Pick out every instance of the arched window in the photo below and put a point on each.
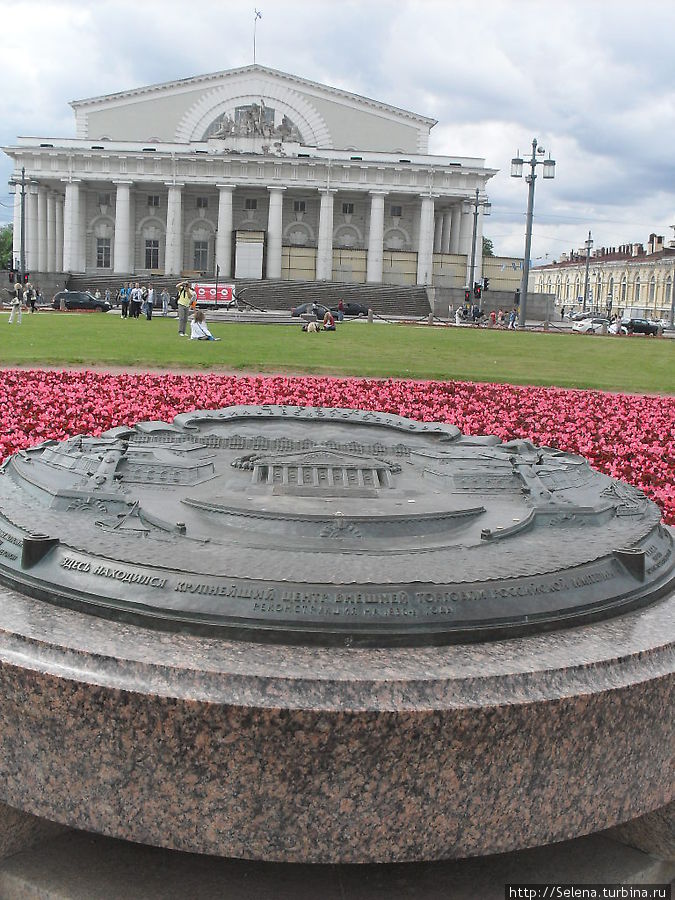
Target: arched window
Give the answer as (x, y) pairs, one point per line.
(624, 290)
(610, 288)
(598, 289)
(652, 289)
(567, 288)
(577, 289)
(669, 291)
(636, 295)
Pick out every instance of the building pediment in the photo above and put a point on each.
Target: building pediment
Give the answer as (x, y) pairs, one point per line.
(229, 104)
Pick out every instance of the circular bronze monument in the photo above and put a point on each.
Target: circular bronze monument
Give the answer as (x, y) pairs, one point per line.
(321, 635)
(327, 526)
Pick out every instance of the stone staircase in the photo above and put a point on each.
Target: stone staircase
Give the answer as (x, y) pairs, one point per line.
(384, 299)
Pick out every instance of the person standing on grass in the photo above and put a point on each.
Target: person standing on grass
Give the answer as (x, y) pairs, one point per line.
(165, 302)
(136, 300)
(123, 296)
(185, 297)
(17, 300)
(149, 303)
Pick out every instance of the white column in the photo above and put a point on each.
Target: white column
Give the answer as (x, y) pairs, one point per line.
(447, 229)
(123, 236)
(51, 232)
(224, 236)
(375, 236)
(478, 269)
(71, 226)
(274, 231)
(16, 237)
(324, 253)
(31, 213)
(173, 258)
(82, 242)
(58, 267)
(455, 227)
(426, 242)
(42, 229)
(438, 232)
(465, 236)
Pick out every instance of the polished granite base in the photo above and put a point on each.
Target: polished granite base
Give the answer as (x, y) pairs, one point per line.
(334, 755)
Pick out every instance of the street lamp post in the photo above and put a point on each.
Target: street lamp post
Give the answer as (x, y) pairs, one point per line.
(517, 172)
(476, 204)
(588, 245)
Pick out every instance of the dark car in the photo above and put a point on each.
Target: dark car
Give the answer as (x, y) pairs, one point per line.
(640, 326)
(350, 309)
(80, 300)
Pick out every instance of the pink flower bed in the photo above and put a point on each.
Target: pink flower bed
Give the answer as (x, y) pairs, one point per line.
(628, 437)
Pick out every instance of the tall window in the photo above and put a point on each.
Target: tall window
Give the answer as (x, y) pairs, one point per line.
(151, 254)
(200, 256)
(102, 253)
(624, 290)
(652, 289)
(637, 289)
(610, 288)
(669, 291)
(347, 209)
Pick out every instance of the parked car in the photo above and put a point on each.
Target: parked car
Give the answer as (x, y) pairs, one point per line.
(640, 326)
(351, 309)
(80, 300)
(591, 325)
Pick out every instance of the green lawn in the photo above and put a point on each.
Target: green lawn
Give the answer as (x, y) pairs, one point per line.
(569, 360)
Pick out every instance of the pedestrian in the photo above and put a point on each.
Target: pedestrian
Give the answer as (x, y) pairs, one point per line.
(123, 296)
(149, 302)
(29, 297)
(165, 302)
(97, 294)
(341, 309)
(135, 302)
(512, 319)
(107, 295)
(185, 297)
(562, 312)
(17, 300)
(38, 297)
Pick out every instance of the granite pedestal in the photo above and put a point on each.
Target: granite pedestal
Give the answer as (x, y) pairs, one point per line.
(176, 726)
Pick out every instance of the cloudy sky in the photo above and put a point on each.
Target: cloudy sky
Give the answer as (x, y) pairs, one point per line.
(592, 81)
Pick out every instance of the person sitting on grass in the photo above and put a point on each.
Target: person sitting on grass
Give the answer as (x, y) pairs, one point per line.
(328, 321)
(199, 330)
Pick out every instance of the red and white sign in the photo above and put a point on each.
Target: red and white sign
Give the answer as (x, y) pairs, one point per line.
(208, 292)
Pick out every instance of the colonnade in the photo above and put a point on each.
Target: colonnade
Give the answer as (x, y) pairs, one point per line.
(56, 230)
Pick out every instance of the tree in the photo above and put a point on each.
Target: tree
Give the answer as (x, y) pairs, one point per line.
(488, 247)
(6, 237)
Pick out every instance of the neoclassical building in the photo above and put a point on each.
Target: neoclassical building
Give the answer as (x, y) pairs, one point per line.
(629, 279)
(259, 173)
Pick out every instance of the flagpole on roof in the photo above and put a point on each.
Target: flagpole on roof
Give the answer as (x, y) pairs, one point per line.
(258, 15)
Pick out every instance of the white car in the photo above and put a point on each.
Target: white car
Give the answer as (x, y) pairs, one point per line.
(590, 325)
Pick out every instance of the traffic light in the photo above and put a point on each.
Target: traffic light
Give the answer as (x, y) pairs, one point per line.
(26, 276)
(486, 283)
(467, 296)
(477, 291)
